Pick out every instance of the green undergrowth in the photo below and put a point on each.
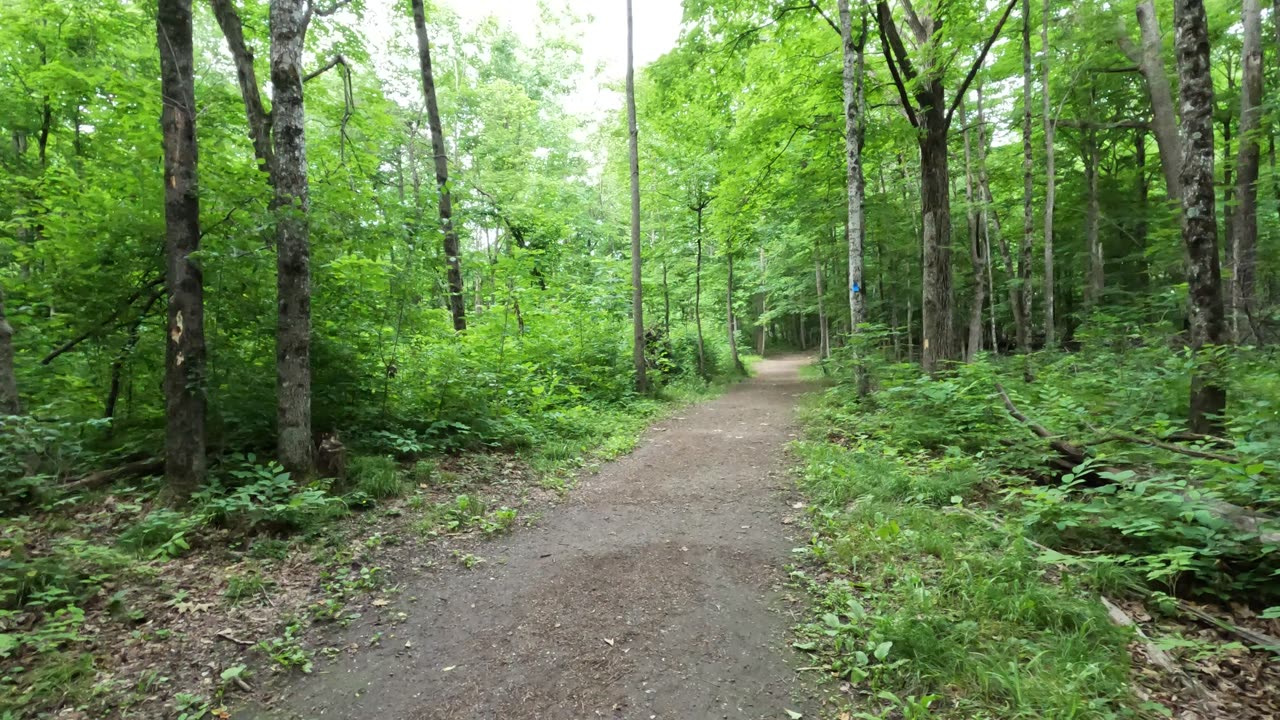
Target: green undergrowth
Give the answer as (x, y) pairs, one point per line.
(931, 504)
(932, 613)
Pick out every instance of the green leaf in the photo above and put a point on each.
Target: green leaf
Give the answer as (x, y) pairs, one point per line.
(882, 650)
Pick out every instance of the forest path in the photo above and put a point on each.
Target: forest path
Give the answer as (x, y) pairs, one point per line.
(653, 591)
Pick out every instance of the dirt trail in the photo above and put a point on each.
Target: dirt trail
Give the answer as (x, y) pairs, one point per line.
(653, 591)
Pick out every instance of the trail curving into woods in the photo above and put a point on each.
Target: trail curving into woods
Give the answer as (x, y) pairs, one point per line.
(654, 591)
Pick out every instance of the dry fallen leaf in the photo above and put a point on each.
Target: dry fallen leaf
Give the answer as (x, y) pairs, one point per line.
(381, 602)
(609, 641)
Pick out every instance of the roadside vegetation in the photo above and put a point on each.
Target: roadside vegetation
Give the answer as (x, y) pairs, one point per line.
(962, 566)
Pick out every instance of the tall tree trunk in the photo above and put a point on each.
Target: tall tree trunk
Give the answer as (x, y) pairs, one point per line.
(289, 20)
(1164, 119)
(666, 302)
(937, 344)
(184, 376)
(1028, 187)
(733, 330)
(1097, 274)
(1143, 193)
(697, 300)
(9, 401)
(452, 251)
(1199, 217)
(991, 223)
(637, 289)
(824, 344)
(258, 119)
(1246, 222)
(976, 249)
(1051, 186)
(854, 112)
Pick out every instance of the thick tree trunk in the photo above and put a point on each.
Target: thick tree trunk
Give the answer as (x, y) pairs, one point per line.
(977, 246)
(1246, 219)
(937, 344)
(9, 401)
(1096, 272)
(452, 251)
(289, 20)
(1199, 217)
(855, 182)
(1050, 188)
(184, 376)
(1028, 188)
(637, 289)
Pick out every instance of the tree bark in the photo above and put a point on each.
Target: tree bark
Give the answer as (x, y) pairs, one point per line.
(1199, 218)
(289, 19)
(1164, 119)
(824, 343)
(1096, 272)
(854, 133)
(637, 289)
(184, 377)
(10, 403)
(1143, 189)
(256, 115)
(976, 249)
(1246, 215)
(452, 251)
(1028, 187)
(937, 344)
(1050, 188)
(697, 298)
(733, 330)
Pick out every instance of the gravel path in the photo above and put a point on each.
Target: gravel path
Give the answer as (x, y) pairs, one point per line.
(653, 591)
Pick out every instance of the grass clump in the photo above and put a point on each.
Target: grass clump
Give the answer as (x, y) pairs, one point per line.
(377, 476)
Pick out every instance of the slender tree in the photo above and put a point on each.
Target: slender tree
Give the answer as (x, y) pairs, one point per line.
(1028, 187)
(1199, 217)
(452, 251)
(854, 135)
(978, 246)
(1092, 214)
(637, 290)
(9, 401)
(1051, 185)
(289, 19)
(1164, 120)
(1245, 241)
(184, 391)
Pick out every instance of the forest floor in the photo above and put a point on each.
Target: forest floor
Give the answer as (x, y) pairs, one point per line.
(657, 589)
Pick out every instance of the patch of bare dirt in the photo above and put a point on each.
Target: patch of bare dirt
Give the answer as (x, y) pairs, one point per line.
(653, 591)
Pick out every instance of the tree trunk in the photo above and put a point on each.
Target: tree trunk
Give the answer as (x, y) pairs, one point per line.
(733, 330)
(9, 401)
(1143, 194)
(976, 249)
(937, 344)
(637, 290)
(854, 131)
(1246, 220)
(1050, 188)
(452, 251)
(824, 344)
(1199, 218)
(666, 301)
(258, 119)
(991, 223)
(1097, 277)
(1028, 187)
(184, 376)
(1164, 119)
(293, 242)
(697, 300)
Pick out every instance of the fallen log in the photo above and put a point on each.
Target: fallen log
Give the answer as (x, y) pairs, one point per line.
(137, 468)
(1241, 518)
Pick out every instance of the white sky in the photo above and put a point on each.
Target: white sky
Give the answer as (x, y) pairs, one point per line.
(604, 37)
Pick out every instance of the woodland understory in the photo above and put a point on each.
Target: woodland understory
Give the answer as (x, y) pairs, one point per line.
(293, 294)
